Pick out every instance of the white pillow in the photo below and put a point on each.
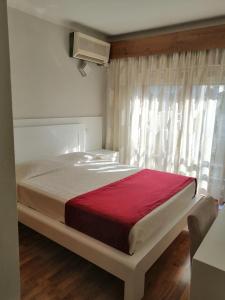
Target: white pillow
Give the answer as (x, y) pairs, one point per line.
(34, 168)
(77, 157)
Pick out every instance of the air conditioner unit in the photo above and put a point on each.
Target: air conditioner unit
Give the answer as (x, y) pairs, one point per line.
(85, 47)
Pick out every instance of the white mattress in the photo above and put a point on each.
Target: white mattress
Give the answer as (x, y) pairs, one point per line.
(47, 185)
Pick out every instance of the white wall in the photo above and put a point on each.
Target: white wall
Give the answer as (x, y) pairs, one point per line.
(9, 267)
(45, 80)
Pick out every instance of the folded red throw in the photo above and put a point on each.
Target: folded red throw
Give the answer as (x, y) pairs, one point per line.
(108, 213)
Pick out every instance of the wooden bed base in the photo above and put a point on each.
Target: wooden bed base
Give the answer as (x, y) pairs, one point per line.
(131, 269)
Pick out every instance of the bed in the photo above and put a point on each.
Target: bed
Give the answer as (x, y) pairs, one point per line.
(44, 186)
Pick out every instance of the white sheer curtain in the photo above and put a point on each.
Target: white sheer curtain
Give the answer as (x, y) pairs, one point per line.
(167, 112)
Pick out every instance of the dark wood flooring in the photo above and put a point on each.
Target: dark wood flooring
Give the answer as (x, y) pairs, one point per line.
(50, 272)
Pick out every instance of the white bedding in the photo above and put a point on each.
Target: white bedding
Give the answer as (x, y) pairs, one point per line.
(48, 184)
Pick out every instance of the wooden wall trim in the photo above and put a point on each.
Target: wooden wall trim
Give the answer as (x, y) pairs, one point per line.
(188, 40)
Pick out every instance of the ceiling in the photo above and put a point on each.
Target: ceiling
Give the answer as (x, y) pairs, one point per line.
(114, 17)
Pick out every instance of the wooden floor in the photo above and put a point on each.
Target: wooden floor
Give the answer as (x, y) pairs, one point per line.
(49, 271)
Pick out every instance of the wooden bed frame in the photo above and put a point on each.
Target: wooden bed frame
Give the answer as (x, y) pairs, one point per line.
(130, 268)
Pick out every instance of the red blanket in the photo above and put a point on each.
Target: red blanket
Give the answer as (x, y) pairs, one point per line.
(109, 212)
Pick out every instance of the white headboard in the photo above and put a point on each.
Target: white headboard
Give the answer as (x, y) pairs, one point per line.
(39, 138)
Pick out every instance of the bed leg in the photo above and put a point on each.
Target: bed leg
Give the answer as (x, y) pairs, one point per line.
(134, 286)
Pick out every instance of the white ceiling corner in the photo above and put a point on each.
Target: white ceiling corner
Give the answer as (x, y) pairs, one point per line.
(121, 16)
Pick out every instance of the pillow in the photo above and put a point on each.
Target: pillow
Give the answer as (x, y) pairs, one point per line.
(34, 168)
(77, 157)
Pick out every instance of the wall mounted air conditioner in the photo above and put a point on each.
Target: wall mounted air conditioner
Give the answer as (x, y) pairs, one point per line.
(85, 47)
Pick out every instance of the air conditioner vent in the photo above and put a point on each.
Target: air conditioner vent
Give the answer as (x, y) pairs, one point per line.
(88, 48)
